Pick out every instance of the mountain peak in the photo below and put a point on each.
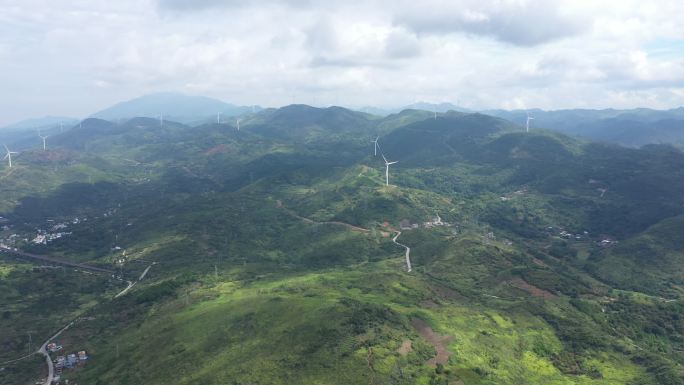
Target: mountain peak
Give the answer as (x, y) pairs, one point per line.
(176, 106)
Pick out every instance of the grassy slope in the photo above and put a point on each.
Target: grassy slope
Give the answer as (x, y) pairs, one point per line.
(322, 327)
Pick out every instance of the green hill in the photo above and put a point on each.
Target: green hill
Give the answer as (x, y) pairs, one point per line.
(305, 123)
(272, 262)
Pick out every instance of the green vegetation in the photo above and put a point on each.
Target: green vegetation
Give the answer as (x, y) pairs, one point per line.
(538, 278)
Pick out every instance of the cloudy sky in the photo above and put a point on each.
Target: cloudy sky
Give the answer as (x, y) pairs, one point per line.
(73, 57)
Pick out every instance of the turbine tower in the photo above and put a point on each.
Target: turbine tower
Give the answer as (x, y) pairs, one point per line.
(375, 147)
(527, 124)
(43, 137)
(218, 118)
(9, 155)
(237, 122)
(387, 164)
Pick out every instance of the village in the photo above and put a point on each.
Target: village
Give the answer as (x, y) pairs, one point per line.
(66, 361)
(406, 224)
(603, 240)
(53, 230)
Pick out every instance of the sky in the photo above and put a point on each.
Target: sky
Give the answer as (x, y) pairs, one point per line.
(72, 58)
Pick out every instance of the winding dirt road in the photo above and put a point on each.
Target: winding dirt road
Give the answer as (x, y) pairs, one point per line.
(408, 251)
(279, 204)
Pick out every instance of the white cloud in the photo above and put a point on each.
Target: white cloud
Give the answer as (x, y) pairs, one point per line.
(518, 22)
(76, 56)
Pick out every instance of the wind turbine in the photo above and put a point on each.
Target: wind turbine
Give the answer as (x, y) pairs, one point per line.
(237, 122)
(387, 164)
(375, 147)
(43, 137)
(161, 120)
(435, 115)
(527, 124)
(218, 118)
(9, 156)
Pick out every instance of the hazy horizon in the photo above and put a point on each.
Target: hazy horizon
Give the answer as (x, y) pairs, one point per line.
(70, 58)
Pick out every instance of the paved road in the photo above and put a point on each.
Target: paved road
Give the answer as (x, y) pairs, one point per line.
(408, 251)
(59, 261)
(48, 360)
(43, 349)
(144, 273)
(131, 284)
(124, 291)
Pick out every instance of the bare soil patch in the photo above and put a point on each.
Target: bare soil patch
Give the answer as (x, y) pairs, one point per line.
(405, 348)
(445, 292)
(531, 289)
(221, 148)
(439, 342)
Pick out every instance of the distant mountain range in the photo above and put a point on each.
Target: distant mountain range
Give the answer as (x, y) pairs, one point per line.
(174, 106)
(630, 128)
(425, 106)
(46, 122)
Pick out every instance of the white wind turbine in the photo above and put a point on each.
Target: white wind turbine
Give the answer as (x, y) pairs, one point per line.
(237, 122)
(218, 118)
(9, 155)
(387, 164)
(527, 123)
(44, 138)
(161, 120)
(375, 147)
